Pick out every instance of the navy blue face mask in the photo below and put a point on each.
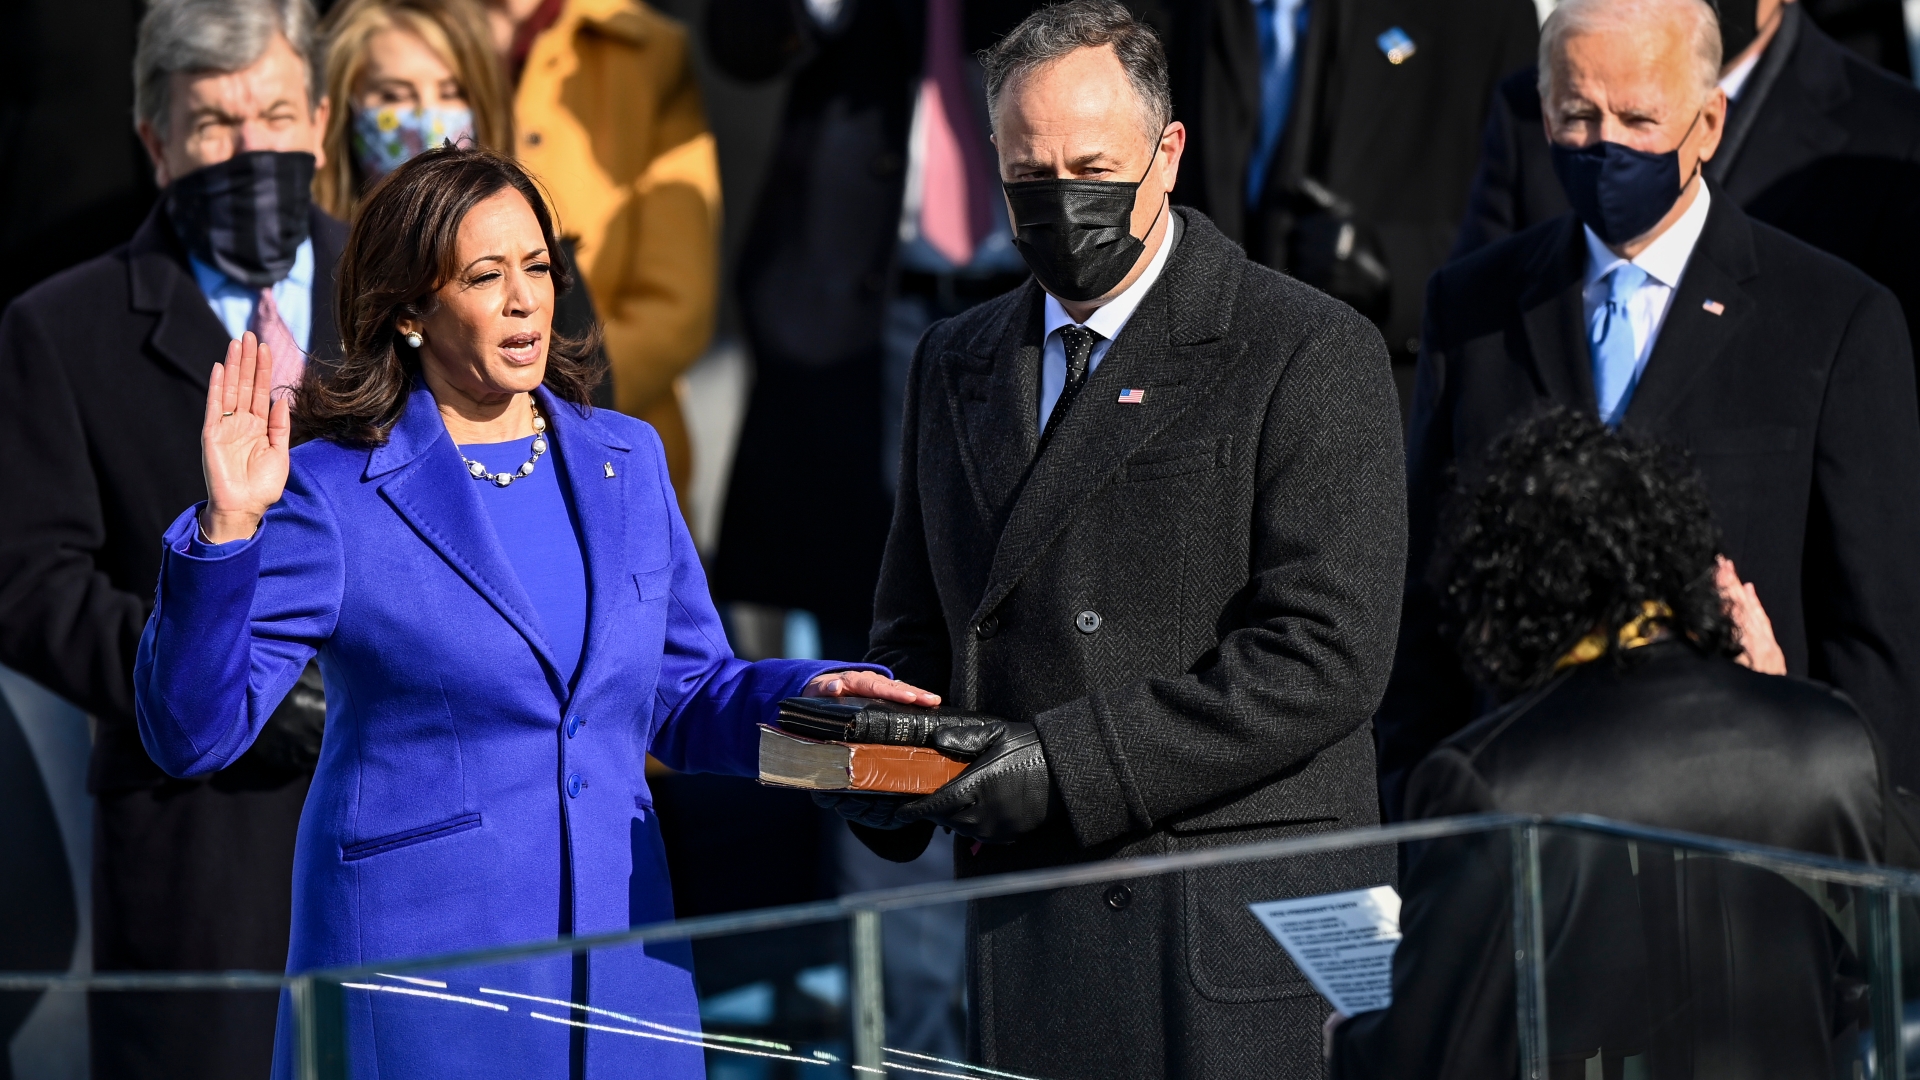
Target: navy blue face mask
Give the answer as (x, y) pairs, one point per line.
(1617, 191)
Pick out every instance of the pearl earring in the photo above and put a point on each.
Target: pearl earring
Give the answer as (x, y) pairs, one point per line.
(414, 339)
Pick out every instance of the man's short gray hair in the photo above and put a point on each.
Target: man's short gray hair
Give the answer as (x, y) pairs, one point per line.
(1052, 32)
(193, 37)
(1575, 17)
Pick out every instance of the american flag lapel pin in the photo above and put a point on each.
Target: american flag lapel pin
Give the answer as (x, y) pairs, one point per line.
(1133, 397)
(1714, 307)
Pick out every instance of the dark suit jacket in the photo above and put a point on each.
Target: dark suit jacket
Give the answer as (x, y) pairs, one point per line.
(1398, 141)
(1748, 980)
(1821, 144)
(1191, 597)
(103, 374)
(1796, 405)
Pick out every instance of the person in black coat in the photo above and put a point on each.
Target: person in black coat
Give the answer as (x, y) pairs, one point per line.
(103, 370)
(831, 298)
(1820, 143)
(1583, 586)
(1784, 371)
(1175, 594)
(1387, 103)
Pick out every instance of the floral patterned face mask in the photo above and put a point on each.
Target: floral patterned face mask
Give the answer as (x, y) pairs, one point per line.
(384, 138)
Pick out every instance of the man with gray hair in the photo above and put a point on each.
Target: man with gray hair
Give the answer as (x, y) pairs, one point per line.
(1658, 305)
(103, 371)
(1149, 530)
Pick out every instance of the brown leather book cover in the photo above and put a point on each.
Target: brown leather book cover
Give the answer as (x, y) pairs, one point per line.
(788, 760)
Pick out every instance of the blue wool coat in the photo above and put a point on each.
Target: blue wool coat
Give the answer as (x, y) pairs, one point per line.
(466, 796)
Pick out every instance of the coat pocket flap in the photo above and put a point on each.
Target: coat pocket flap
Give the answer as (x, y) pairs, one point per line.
(409, 837)
(1192, 455)
(654, 584)
(1747, 440)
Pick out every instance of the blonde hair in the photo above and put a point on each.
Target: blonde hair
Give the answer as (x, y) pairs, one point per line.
(454, 29)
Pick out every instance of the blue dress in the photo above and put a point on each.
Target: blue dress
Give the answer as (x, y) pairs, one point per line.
(473, 789)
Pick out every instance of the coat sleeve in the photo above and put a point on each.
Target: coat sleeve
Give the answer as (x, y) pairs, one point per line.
(909, 629)
(708, 703)
(1862, 582)
(1312, 639)
(1428, 696)
(658, 305)
(62, 621)
(233, 627)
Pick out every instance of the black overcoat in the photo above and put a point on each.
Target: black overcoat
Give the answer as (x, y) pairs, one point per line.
(1795, 400)
(103, 377)
(1193, 598)
(1821, 144)
(1749, 979)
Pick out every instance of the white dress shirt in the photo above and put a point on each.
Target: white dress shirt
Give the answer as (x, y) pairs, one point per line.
(1736, 80)
(233, 303)
(1664, 261)
(1106, 323)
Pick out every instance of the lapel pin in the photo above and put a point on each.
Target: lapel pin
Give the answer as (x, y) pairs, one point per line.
(1714, 307)
(1397, 46)
(1133, 397)
(609, 470)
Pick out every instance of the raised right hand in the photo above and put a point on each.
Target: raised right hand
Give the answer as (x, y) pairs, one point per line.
(243, 442)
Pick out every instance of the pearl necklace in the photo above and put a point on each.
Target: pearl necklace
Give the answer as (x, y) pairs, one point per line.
(502, 479)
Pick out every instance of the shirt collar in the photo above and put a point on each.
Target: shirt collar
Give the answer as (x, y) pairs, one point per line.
(1665, 259)
(1111, 317)
(212, 280)
(1736, 80)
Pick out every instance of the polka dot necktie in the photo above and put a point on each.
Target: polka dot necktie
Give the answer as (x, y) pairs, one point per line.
(1078, 341)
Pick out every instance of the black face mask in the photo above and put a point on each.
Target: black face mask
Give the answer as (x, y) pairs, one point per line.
(1617, 191)
(1076, 235)
(1739, 25)
(246, 216)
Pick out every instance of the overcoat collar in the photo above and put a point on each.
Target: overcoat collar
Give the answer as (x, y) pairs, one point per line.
(1691, 335)
(187, 336)
(1785, 119)
(1171, 348)
(428, 485)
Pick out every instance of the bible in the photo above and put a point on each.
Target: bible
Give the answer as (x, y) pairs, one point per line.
(857, 744)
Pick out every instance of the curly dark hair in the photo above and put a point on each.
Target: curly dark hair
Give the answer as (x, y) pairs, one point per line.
(1573, 530)
(401, 250)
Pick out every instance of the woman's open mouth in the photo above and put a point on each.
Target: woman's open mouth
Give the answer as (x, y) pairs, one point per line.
(521, 348)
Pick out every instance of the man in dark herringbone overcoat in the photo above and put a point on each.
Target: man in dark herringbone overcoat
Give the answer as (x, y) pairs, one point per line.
(1151, 517)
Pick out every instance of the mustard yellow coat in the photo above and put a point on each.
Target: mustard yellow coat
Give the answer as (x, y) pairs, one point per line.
(609, 119)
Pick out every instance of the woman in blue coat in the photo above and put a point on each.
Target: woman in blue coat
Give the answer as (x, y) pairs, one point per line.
(509, 614)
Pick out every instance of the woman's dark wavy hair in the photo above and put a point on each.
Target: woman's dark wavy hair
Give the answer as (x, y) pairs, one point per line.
(1573, 529)
(402, 249)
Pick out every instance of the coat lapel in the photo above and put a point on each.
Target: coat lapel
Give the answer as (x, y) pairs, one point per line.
(430, 488)
(994, 389)
(187, 337)
(1550, 309)
(593, 465)
(1171, 358)
(1691, 336)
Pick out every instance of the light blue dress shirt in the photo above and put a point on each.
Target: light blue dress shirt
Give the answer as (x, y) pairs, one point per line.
(232, 302)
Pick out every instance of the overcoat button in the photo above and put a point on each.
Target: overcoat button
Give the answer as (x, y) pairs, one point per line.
(574, 724)
(988, 627)
(574, 784)
(1119, 897)
(1087, 621)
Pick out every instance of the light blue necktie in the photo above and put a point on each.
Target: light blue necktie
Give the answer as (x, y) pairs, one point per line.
(1615, 356)
(1280, 23)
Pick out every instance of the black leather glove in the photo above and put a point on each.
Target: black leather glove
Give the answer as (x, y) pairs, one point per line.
(1333, 251)
(873, 811)
(290, 739)
(1006, 791)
